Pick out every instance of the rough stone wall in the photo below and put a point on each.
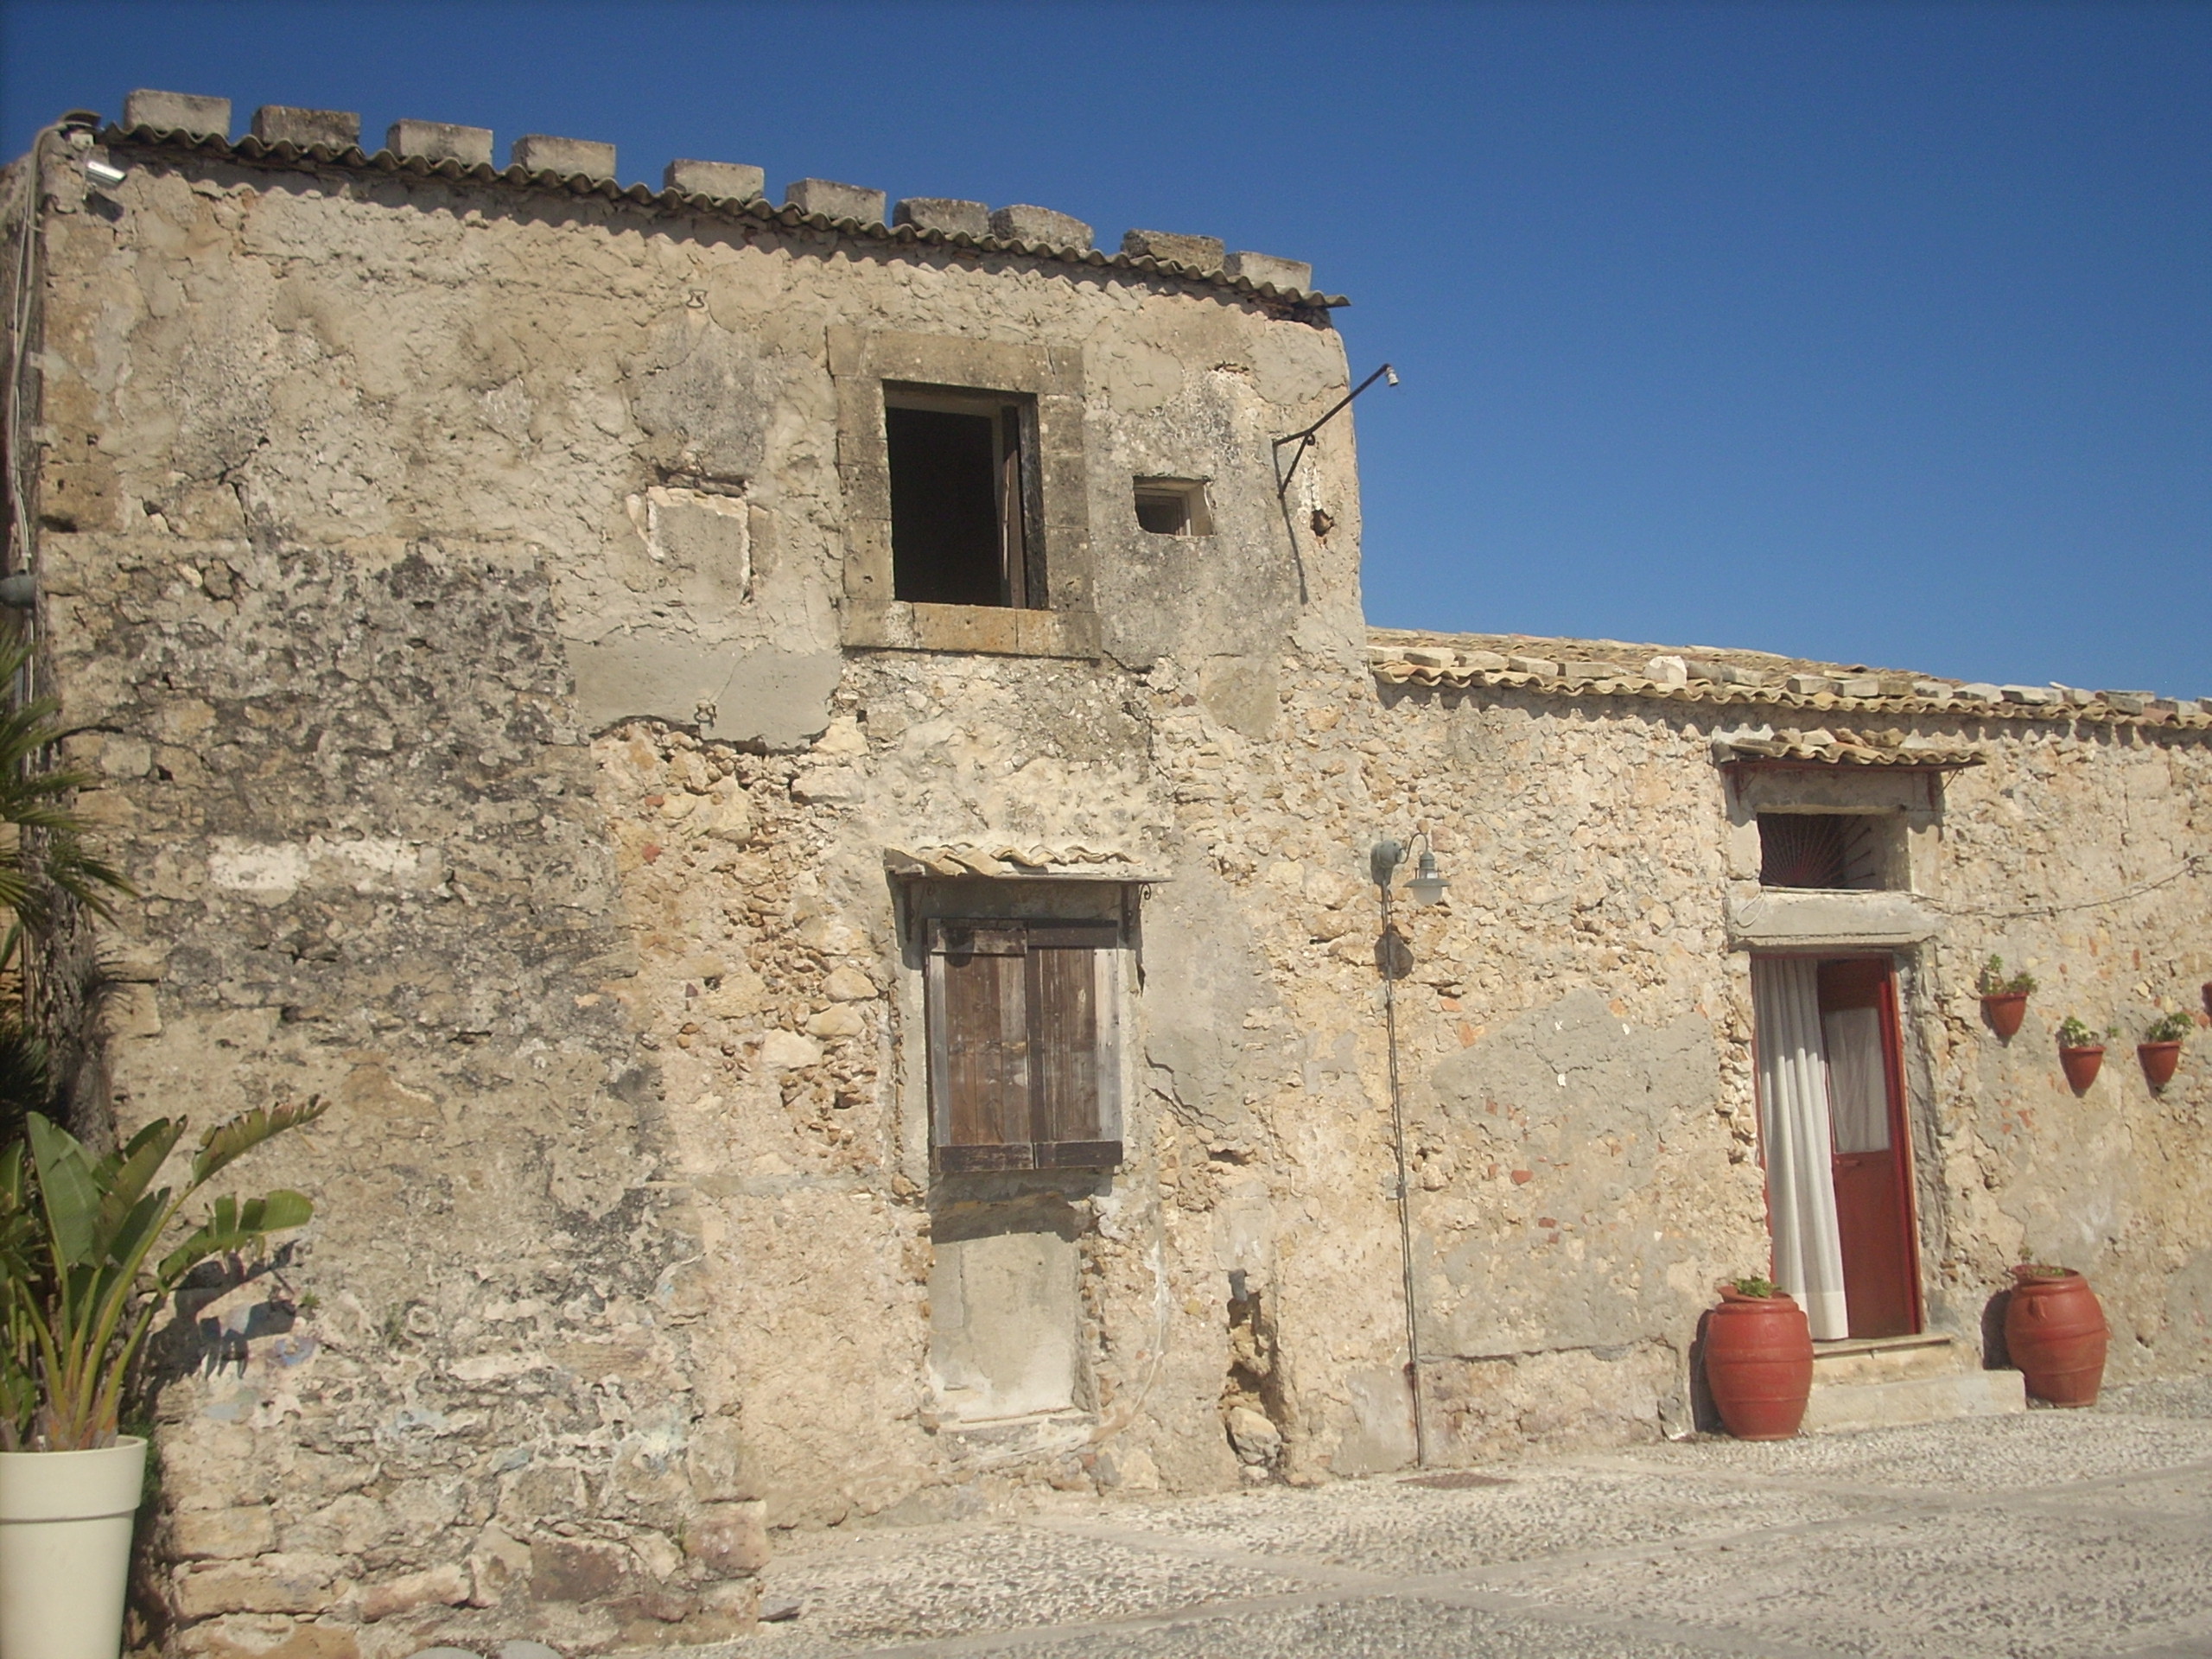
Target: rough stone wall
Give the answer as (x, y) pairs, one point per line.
(446, 585)
(448, 578)
(1586, 1132)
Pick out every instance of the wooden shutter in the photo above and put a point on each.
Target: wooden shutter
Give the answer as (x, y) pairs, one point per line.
(1024, 1065)
(979, 1047)
(1075, 1124)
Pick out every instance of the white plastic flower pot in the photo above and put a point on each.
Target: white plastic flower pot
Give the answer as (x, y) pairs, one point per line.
(65, 1550)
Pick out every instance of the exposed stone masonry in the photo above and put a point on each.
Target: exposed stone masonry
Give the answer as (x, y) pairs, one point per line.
(448, 570)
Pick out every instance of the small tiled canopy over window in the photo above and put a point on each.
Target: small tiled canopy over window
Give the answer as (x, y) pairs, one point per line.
(1024, 1059)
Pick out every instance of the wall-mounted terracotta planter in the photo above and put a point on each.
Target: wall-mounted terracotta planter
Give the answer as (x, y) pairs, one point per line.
(2159, 1060)
(1758, 1364)
(2055, 1331)
(2081, 1065)
(2005, 1010)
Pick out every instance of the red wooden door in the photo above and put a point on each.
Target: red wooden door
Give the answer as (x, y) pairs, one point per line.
(1873, 1207)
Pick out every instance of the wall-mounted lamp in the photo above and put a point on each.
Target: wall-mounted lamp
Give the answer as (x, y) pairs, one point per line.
(1428, 884)
(1394, 960)
(105, 174)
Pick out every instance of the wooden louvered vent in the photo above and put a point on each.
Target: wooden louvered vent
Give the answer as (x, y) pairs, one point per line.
(1820, 850)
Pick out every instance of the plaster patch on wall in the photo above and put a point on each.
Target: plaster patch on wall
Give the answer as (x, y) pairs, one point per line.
(780, 699)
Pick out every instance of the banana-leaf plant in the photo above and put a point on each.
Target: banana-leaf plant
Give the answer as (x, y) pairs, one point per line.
(78, 1272)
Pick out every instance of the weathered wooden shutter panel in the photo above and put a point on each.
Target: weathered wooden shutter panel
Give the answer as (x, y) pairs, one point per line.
(1075, 1124)
(979, 973)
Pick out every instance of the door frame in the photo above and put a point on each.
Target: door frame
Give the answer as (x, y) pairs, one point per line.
(1901, 1136)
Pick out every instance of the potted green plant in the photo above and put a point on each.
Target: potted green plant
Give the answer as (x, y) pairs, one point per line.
(2160, 1052)
(2080, 1052)
(2003, 997)
(80, 1284)
(1758, 1360)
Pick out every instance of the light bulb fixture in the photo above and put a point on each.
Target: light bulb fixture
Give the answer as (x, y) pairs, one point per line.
(1428, 883)
(106, 174)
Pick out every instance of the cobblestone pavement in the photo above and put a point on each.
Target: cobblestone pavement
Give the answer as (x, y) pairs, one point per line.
(2059, 1534)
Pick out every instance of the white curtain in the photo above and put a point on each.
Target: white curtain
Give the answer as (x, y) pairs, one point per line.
(1793, 1130)
(1859, 1092)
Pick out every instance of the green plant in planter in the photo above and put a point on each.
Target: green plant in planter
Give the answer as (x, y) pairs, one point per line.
(1994, 982)
(2169, 1028)
(1752, 1285)
(2072, 1033)
(79, 1282)
(38, 868)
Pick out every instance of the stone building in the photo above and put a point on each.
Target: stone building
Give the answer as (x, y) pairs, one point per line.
(805, 787)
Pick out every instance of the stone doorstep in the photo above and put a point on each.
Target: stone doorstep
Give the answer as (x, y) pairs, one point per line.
(1890, 1382)
(1840, 1408)
(1889, 1359)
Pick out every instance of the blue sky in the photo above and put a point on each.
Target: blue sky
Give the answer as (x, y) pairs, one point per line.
(1877, 332)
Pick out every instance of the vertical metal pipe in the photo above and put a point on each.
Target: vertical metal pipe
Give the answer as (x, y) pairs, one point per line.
(1386, 962)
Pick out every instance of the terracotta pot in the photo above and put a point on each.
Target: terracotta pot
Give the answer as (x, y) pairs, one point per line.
(2005, 1010)
(2080, 1065)
(2055, 1331)
(2159, 1060)
(1758, 1364)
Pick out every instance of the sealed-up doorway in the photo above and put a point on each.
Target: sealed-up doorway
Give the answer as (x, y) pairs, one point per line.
(1833, 1137)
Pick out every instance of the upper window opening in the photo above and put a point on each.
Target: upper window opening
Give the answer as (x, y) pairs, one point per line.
(961, 484)
(1172, 507)
(1836, 850)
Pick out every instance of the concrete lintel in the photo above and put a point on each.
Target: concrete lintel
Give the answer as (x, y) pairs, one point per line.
(1815, 919)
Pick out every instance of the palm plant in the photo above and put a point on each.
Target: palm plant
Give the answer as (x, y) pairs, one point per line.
(48, 858)
(77, 1236)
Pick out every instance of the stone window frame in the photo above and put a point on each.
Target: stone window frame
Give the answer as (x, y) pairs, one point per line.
(1908, 802)
(1050, 377)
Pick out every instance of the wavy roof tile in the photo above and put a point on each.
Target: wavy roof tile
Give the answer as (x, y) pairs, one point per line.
(1747, 679)
(384, 163)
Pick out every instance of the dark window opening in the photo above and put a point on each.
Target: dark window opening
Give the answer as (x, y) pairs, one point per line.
(1172, 507)
(1024, 1064)
(960, 508)
(1836, 850)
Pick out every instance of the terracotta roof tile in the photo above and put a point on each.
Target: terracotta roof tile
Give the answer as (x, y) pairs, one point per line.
(1751, 680)
(353, 159)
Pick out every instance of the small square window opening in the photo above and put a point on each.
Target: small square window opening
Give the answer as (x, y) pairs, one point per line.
(1172, 507)
(961, 485)
(1846, 851)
